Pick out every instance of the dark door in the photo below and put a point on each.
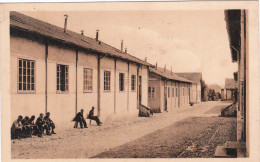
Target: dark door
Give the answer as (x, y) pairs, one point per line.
(140, 89)
(165, 98)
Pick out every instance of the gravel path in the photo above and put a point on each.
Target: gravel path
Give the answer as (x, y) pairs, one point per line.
(86, 143)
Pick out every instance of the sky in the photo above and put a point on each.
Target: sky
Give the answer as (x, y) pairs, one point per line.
(186, 40)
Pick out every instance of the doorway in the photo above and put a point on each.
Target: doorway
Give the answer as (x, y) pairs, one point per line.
(140, 89)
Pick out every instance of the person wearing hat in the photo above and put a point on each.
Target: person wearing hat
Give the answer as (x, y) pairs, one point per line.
(92, 117)
(49, 122)
(16, 129)
(80, 119)
(41, 124)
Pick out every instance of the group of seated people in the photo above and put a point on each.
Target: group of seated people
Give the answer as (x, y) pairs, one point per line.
(25, 127)
(79, 118)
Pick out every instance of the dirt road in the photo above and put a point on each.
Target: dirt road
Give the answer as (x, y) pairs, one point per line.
(193, 137)
(86, 143)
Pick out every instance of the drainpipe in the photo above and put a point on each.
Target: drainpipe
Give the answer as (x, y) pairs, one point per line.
(98, 86)
(46, 76)
(115, 60)
(129, 80)
(76, 110)
(137, 78)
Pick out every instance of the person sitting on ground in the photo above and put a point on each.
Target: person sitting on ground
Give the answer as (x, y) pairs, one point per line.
(40, 122)
(16, 129)
(49, 123)
(80, 119)
(26, 128)
(92, 117)
(33, 128)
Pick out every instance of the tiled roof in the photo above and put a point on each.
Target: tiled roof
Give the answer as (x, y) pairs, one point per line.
(195, 77)
(168, 74)
(230, 83)
(25, 23)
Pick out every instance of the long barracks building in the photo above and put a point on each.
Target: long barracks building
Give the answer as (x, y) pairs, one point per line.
(59, 71)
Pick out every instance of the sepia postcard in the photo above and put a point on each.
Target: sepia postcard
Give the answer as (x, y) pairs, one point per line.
(171, 81)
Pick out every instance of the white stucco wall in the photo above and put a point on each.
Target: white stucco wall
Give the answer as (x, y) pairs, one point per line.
(87, 99)
(64, 105)
(61, 105)
(27, 104)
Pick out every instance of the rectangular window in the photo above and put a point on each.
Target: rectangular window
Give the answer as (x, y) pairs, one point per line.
(121, 81)
(169, 93)
(26, 75)
(176, 92)
(107, 76)
(62, 78)
(172, 92)
(151, 92)
(88, 80)
(133, 80)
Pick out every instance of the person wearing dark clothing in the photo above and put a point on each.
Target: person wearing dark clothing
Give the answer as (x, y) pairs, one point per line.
(40, 122)
(92, 117)
(49, 122)
(26, 127)
(16, 129)
(80, 119)
(33, 128)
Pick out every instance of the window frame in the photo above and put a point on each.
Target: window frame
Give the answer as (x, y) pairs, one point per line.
(86, 90)
(18, 75)
(133, 90)
(109, 85)
(151, 94)
(59, 91)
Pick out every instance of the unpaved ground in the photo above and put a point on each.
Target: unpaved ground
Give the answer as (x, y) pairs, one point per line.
(85, 143)
(193, 137)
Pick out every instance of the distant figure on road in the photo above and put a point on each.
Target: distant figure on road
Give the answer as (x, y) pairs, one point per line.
(80, 119)
(49, 122)
(16, 129)
(92, 117)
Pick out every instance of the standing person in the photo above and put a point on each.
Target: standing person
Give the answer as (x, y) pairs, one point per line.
(80, 119)
(16, 129)
(49, 123)
(26, 128)
(92, 117)
(40, 122)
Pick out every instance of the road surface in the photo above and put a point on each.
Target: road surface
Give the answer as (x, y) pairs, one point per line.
(95, 140)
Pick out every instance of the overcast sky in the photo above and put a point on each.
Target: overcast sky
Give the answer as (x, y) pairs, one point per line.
(189, 41)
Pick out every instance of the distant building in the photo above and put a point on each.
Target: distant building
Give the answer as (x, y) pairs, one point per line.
(230, 89)
(196, 79)
(167, 90)
(60, 71)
